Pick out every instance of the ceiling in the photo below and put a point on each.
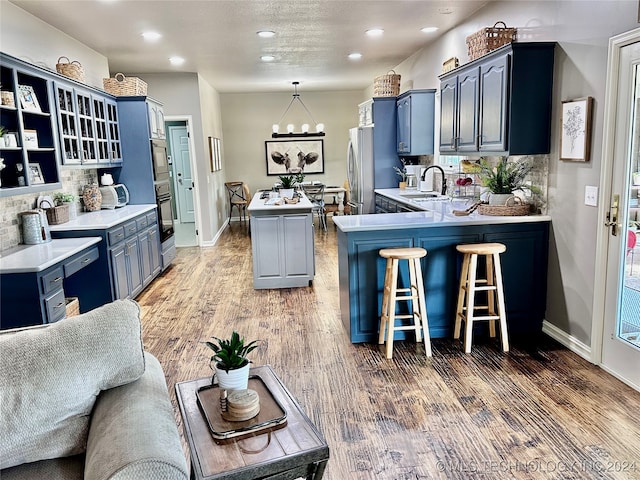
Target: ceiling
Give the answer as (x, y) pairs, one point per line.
(217, 38)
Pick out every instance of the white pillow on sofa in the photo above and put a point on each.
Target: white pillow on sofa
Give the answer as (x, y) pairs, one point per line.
(50, 377)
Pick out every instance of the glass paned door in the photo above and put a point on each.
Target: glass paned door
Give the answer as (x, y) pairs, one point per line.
(621, 335)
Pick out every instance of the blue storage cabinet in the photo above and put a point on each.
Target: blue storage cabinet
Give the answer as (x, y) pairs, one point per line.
(384, 142)
(500, 103)
(415, 125)
(361, 274)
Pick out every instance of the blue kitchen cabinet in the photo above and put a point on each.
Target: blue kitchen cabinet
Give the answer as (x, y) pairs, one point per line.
(415, 124)
(361, 274)
(38, 297)
(500, 103)
(385, 156)
(32, 118)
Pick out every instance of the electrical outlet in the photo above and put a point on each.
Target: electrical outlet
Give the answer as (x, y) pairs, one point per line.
(591, 196)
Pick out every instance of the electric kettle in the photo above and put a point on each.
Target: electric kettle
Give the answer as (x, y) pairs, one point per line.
(35, 227)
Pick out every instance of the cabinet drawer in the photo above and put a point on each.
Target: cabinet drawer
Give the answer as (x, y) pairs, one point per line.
(152, 218)
(52, 281)
(115, 235)
(80, 262)
(142, 222)
(130, 228)
(55, 306)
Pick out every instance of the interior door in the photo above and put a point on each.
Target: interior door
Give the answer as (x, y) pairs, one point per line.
(621, 333)
(182, 174)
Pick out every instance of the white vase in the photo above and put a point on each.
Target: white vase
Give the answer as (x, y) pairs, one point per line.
(237, 379)
(286, 192)
(501, 198)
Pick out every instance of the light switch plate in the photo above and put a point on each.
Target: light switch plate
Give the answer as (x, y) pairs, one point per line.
(591, 196)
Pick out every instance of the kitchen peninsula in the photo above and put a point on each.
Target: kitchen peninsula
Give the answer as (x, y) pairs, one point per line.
(281, 241)
(432, 226)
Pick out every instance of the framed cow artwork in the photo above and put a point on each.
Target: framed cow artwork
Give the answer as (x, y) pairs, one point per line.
(294, 156)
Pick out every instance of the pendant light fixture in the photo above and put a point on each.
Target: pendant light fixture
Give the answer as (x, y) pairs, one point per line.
(290, 127)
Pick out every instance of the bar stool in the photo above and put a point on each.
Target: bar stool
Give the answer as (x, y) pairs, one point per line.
(414, 293)
(470, 285)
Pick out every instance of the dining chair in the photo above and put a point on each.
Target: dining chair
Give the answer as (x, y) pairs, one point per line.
(315, 194)
(238, 197)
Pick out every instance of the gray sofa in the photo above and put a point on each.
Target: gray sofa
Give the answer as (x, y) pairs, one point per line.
(81, 398)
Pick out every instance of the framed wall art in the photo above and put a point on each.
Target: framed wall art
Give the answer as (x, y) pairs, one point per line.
(215, 156)
(30, 138)
(294, 156)
(575, 137)
(28, 98)
(35, 174)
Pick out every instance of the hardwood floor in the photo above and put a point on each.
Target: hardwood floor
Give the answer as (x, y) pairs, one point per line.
(537, 412)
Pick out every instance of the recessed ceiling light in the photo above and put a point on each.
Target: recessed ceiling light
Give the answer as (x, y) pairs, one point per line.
(429, 29)
(176, 60)
(267, 58)
(374, 32)
(266, 33)
(355, 56)
(151, 36)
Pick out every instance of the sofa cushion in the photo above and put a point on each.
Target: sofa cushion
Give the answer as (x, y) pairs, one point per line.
(50, 377)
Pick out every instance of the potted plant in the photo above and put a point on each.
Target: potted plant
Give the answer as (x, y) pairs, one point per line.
(63, 198)
(288, 183)
(230, 362)
(505, 178)
(402, 173)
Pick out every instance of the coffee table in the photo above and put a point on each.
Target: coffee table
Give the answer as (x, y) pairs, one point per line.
(296, 450)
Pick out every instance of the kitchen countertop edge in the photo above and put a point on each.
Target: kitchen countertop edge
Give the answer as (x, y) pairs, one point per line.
(36, 258)
(103, 219)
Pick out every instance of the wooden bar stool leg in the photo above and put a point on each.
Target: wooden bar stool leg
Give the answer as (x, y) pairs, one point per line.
(415, 299)
(491, 298)
(471, 295)
(392, 307)
(464, 282)
(423, 308)
(504, 335)
(384, 315)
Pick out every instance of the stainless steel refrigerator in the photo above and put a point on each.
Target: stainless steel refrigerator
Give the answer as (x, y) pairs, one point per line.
(360, 170)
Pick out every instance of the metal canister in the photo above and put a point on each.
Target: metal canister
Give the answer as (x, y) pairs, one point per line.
(35, 227)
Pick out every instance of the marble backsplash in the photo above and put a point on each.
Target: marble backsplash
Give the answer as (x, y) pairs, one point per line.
(73, 180)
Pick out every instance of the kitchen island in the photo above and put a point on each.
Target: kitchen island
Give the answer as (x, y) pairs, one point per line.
(436, 229)
(281, 241)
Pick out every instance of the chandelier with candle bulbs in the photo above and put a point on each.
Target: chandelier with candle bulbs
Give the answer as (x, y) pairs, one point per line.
(290, 127)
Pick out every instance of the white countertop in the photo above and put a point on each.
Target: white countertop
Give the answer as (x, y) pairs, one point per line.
(260, 206)
(103, 218)
(436, 214)
(35, 258)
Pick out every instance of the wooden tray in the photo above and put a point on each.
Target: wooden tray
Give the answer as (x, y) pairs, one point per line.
(271, 417)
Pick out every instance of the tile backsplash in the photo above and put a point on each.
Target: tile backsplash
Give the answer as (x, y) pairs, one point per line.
(73, 180)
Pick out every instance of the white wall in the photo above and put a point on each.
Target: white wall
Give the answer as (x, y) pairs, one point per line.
(247, 121)
(30, 39)
(582, 30)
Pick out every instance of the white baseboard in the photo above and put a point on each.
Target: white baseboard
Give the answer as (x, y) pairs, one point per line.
(573, 344)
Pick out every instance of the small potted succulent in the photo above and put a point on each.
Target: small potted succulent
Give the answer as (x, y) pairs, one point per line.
(288, 183)
(230, 362)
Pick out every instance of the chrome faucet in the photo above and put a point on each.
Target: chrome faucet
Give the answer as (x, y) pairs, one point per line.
(444, 180)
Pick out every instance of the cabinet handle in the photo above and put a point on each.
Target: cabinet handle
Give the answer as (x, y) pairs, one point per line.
(56, 280)
(120, 235)
(453, 143)
(86, 260)
(59, 305)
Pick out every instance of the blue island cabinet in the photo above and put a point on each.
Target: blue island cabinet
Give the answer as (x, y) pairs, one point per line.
(361, 274)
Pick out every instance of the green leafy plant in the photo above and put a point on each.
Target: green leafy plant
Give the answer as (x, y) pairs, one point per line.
(288, 181)
(2, 131)
(506, 177)
(63, 197)
(231, 354)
